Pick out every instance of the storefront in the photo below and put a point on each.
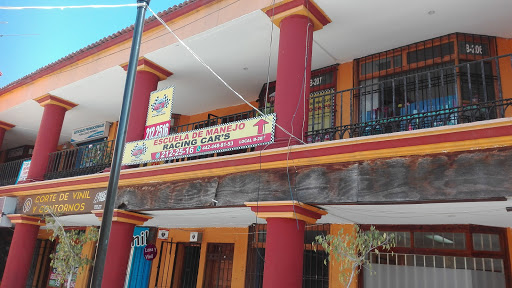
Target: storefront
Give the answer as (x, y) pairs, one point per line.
(441, 256)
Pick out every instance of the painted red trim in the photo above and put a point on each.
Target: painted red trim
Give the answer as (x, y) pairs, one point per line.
(152, 65)
(6, 126)
(255, 159)
(124, 215)
(56, 99)
(121, 214)
(321, 17)
(286, 208)
(296, 3)
(24, 218)
(107, 42)
(285, 7)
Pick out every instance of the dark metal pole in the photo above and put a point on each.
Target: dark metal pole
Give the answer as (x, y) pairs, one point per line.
(106, 222)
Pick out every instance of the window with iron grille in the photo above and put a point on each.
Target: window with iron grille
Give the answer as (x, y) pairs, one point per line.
(315, 272)
(322, 98)
(423, 77)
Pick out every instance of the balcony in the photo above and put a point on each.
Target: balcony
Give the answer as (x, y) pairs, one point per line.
(9, 172)
(449, 95)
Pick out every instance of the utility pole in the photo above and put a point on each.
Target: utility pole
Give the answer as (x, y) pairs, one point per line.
(113, 181)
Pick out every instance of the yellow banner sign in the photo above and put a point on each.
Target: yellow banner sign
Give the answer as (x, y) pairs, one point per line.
(64, 203)
(231, 136)
(160, 106)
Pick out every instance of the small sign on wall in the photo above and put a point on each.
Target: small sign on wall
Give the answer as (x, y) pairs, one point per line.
(150, 252)
(91, 132)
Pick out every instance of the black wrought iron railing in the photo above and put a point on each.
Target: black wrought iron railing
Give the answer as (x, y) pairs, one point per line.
(9, 172)
(214, 120)
(447, 95)
(79, 161)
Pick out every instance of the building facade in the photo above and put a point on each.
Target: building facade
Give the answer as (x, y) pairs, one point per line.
(395, 115)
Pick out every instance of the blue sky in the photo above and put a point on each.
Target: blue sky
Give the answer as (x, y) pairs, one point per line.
(60, 32)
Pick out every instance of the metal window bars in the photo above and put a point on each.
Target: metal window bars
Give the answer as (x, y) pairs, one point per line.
(443, 95)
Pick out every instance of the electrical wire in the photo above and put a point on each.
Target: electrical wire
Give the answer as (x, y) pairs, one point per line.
(266, 117)
(69, 7)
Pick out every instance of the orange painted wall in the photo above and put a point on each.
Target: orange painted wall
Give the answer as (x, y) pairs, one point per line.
(334, 271)
(238, 236)
(345, 81)
(505, 47)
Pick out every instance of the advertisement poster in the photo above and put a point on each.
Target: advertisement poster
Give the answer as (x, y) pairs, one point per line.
(22, 176)
(226, 137)
(53, 282)
(139, 267)
(158, 121)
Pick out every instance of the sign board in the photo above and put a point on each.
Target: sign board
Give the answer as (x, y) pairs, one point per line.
(226, 137)
(64, 203)
(150, 252)
(139, 269)
(54, 282)
(91, 132)
(158, 120)
(473, 48)
(22, 175)
(140, 237)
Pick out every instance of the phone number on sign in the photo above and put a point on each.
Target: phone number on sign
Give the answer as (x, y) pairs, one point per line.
(191, 150)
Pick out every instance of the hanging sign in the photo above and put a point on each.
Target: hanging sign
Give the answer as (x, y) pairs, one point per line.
(22, 175)
(63, 203)
(150, 252)
(158, 120)
(226, 137)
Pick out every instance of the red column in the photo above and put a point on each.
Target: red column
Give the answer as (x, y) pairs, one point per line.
(119, 246)
(284, 253)
(48, 135)
(21, 250)
(285, 240)
(4, 126)
(293, 76)
(146, 81)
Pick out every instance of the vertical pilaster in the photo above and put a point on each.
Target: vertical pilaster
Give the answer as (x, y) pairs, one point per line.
(22, 247)
(119, 245)
(146, 81)
(284, 250)
(4, 127)
(297, 20)
(48, 135)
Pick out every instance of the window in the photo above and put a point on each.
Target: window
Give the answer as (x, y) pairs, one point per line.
(440, 240)
(486, 242)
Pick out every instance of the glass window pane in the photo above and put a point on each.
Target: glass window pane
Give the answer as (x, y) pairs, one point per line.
(429, 261)
(440, 240)
(498, 265)
(439, 261)
(460, 263)
(486, 242)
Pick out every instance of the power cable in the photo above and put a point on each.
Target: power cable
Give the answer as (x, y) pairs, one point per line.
(266, 117)
(68, 7)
